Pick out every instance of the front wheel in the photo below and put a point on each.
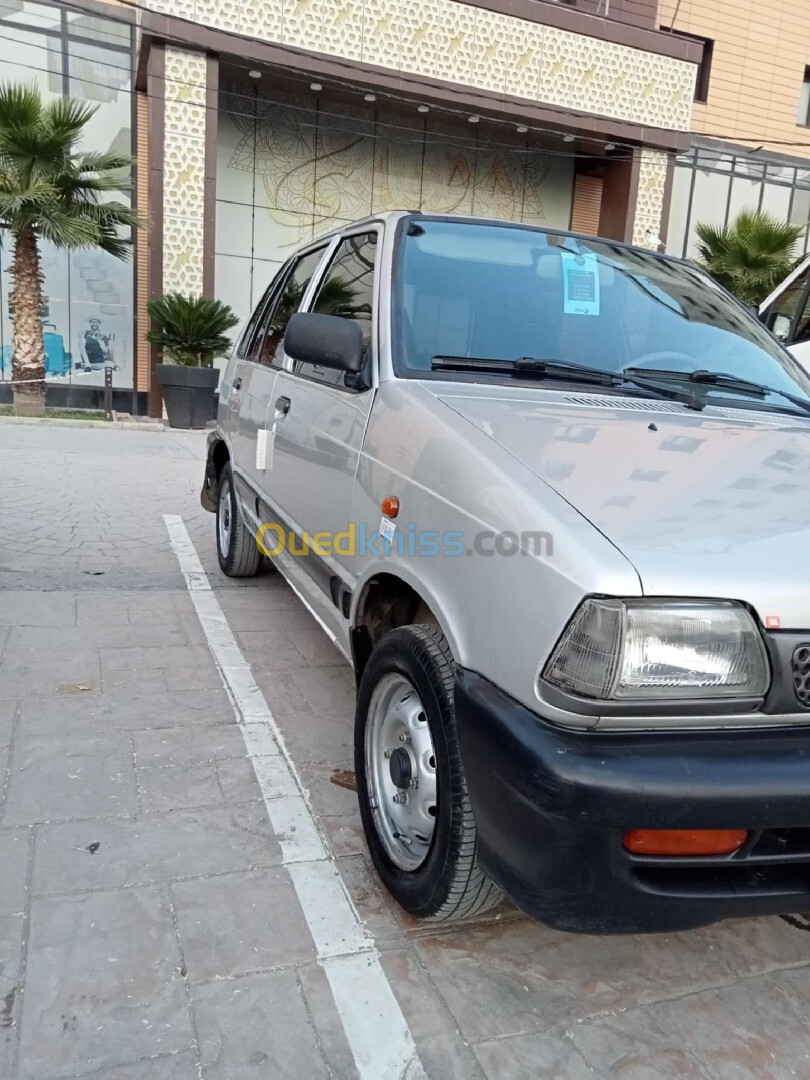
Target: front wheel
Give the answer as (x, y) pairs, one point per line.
(238, 552)
(413, 798)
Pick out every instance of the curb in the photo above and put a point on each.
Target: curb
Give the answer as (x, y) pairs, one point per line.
(54, 421)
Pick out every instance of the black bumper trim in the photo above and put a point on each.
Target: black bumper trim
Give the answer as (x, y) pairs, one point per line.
(552, 807)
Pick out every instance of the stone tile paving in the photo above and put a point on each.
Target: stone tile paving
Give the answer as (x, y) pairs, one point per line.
(148, 930)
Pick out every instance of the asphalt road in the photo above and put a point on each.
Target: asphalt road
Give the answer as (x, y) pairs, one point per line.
(173, 905)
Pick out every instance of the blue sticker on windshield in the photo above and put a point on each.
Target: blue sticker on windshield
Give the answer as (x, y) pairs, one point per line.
(580, 283)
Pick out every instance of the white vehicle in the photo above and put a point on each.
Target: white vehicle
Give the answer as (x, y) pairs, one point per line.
(786, 312)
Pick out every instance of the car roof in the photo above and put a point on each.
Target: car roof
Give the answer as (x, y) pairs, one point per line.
(388, 217)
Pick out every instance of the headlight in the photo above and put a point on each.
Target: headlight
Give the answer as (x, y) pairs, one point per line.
(628, 650)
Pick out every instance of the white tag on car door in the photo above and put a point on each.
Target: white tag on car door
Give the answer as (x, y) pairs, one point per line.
(265, 442)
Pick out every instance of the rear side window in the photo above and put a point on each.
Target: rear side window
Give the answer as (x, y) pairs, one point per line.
(253, 328)
(268, 346)
(785, 308)
(801, 331)
(347, 290)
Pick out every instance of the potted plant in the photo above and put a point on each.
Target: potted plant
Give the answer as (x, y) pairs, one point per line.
(191, 331)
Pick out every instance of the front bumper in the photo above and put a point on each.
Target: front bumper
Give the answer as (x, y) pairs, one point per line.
(552, 807)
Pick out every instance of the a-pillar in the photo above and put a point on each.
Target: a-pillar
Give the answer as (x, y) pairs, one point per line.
(635, 197)
(182, 85)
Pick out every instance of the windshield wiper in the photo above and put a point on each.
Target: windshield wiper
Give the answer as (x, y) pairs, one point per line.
(528, 365)
(558, 369)
(720, 379)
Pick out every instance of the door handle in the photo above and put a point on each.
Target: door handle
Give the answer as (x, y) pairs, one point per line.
(237, 383)
(283, 405)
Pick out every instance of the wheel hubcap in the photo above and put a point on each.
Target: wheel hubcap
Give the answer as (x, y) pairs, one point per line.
(401, 772)
(224, 517)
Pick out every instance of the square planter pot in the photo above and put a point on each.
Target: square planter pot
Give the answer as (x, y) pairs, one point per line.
(188, 394)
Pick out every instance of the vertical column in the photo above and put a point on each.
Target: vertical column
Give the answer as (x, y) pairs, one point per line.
(652, 197)
(155, 87)
(619, 192)
(184, 172)
(210, 197)
(635, 197)
(142, 240)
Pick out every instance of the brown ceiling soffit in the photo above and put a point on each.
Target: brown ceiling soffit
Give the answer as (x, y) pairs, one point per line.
(485, 103)
(578, 22)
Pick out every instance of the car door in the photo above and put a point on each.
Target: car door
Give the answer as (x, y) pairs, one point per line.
(257, 376)
(799, 343)
(233, 382)
(244, 386)
(786, 313)
(320, 417)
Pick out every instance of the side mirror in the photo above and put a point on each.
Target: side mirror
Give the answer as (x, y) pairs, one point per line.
(326, 340)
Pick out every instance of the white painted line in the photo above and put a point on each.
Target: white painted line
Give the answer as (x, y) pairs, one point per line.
(376, 1030)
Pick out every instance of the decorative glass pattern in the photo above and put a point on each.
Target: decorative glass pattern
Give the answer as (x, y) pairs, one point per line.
(286, 173)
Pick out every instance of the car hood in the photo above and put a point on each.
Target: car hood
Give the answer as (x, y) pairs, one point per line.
(712, 503)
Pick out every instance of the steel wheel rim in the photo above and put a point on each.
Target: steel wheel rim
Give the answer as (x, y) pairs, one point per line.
(401, 772)
(224, 523)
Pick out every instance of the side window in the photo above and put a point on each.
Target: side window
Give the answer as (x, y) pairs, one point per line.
(782, 311)
(268, 346)
(346, 290)
(802, 330)
(247, 340)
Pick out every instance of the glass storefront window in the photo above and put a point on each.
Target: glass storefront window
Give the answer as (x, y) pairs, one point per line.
(713, 187)
(288, 172)
(88, 294)
(30, 57)
(745, 195)
(709, 201)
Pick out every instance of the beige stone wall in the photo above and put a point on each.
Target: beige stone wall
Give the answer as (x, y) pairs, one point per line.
(463, 44)
(184, 171)
(760, 52)
(652, 179)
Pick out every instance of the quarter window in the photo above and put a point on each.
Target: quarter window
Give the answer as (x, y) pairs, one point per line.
(255, 325)
(780, 315)
(269, 343)
(347, 290)
(802, 331)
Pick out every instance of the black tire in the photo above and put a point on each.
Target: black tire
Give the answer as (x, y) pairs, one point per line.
(242, 558)
(449, 884)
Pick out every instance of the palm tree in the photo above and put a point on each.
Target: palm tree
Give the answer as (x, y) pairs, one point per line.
(50, 190)
(750, 255)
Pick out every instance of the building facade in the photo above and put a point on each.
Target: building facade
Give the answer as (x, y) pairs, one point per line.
(259, 124)
(751, 116)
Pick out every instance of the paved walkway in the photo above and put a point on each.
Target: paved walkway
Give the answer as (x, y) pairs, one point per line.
(153, 925)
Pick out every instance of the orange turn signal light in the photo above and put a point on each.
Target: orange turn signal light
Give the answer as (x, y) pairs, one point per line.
(390, 506)
(684, 841)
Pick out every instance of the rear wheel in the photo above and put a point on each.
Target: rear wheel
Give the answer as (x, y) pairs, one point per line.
(238, 553)
(414, 805)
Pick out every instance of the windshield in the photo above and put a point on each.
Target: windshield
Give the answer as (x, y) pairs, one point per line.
(503, 292)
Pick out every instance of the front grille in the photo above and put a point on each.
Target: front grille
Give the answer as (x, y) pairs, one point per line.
(801, 674)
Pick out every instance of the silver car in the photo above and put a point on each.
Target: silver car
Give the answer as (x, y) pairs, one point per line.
(549, 496)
